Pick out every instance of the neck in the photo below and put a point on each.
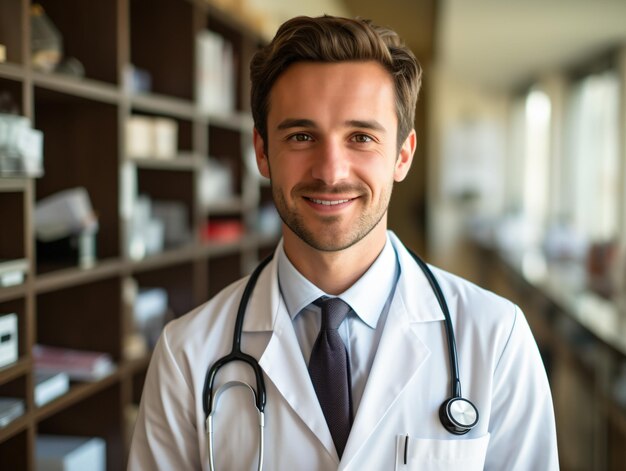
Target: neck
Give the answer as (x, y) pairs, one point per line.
(334, 272)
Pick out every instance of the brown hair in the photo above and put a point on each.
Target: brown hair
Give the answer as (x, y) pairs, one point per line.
(334, 39)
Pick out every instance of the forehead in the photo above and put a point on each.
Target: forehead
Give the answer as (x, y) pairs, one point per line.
(363, 87)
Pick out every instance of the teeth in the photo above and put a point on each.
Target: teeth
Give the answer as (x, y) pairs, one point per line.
(328, 203)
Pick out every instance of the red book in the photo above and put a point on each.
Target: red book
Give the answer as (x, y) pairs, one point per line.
(80, 365)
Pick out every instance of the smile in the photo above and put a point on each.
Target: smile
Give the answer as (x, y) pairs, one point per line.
(327, 202)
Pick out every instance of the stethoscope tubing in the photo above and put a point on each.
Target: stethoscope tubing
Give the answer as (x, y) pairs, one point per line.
(209, 402)
(236, 354)
(455, 387)
(209, 422)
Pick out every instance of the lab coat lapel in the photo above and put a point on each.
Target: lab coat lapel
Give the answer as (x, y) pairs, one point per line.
(400, 352)
(282, 359)
(284, 365)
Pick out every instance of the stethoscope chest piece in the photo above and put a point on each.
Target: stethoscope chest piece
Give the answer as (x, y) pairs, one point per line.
(458, 415)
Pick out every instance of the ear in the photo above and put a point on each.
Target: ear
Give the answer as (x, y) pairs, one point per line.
(261, 158)
(405, 158)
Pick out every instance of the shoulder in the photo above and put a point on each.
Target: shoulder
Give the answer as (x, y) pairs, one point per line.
(466, 294)
(494, 328)
(466, 301)
(481, 319)
(476, 306)
(206, 324)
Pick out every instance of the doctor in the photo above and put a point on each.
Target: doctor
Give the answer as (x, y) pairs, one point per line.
(333, 101)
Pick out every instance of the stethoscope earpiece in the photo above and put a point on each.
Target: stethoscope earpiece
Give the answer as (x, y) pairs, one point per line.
(458, 415)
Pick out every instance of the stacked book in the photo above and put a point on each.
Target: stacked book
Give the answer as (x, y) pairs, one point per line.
(10, 409)
(79, 365)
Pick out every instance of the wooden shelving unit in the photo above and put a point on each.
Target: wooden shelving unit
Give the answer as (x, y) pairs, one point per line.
(84, 126)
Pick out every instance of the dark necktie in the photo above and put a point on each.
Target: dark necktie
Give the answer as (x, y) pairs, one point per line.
(330, 371)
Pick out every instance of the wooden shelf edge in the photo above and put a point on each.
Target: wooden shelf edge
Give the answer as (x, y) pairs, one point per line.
(14, 427)
(236, 121)
(10, 183)
(164, 105)
(77, 393)
(176, 163)
(13, 292)
(12, 71)
(79, 87)
(229, 206)
(81, 391)
(15, 370)
(70, 277)
(169, 257)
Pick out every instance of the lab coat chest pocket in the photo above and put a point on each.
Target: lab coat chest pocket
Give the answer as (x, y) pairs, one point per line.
(441, 455)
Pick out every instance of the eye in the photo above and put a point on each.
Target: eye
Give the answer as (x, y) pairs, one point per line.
(362, 138)
(300, 137)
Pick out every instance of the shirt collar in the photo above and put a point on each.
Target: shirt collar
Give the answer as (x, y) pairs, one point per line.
(366, 297)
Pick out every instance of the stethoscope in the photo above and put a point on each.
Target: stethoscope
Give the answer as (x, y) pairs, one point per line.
(457, 414)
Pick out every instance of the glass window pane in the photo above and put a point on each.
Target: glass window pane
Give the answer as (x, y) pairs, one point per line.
(591, 158)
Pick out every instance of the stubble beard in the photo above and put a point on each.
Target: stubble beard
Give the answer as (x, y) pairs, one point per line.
(335, 238)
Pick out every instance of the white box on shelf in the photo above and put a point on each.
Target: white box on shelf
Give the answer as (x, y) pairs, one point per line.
(8, 339)
(165, 131)
(13, 271)
(139, 137)
(216, 182)
(21, 147)
(65, 453)
(49, 386)
(65, 213)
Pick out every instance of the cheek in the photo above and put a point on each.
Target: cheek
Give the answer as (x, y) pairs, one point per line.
(290, 166)
(380, 173)
(285, 174)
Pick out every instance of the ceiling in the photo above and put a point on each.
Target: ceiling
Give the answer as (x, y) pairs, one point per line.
(493, 44)
(501, 44)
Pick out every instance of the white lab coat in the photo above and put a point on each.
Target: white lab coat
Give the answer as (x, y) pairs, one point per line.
(500, 367)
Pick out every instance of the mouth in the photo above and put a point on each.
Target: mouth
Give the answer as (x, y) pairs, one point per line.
(329, 202)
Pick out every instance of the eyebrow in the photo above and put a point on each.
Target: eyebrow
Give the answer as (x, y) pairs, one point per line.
(307, 123)
(370, 124)
(295, 123)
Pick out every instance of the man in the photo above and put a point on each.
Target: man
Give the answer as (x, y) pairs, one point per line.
(333, 103)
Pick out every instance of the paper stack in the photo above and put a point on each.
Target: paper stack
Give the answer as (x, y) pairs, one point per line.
(216, 84)
(10, 409)
(79, 365)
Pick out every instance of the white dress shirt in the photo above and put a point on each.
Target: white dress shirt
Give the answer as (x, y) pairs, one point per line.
(369, 298)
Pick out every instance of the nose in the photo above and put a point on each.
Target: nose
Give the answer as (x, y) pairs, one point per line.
(331, 163)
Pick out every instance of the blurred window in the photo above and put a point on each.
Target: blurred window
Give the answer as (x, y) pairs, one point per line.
(515, 160)
(536, 161)
(591, 161)
(528, 168)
